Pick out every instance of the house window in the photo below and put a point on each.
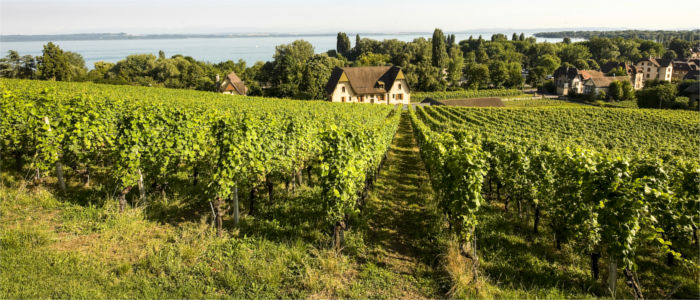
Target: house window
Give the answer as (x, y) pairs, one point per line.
(342, 99)
(343, 89)
(393, 96)
(399, 86)
(400, 96)
(360, 99)
(381, 97)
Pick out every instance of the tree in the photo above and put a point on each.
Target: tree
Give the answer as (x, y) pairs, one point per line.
(454, 66)
(372, 59)
(101, 71)
(343, 44)
(76, 65)
(477, 76)
(515, 78)
(580, 64)
(549, 63)
(573, 52)
(617, 71)
(659, 96)
(439, 49)
(536, 76)
(680, 47)
(10, 65)
(499, 73)
(627, 90)
(514, 37)
(521, 37)
(603, 49)
(615, 91)
(316, 74)
(288, 67)
(670, 54)
(53, 64)
(567, 40)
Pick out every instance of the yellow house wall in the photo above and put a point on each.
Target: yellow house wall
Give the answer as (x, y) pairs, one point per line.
(395, 90)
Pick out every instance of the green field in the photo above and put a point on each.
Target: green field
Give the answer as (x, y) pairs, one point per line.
(411, 197)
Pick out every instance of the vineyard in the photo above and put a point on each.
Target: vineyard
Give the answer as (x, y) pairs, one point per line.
(166, 193)
(611, 183)
(143, 138)
(420, 96)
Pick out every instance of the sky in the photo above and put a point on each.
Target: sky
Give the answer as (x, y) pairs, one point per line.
(323, 16)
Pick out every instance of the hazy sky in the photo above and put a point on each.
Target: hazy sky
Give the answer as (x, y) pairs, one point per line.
(304, 16)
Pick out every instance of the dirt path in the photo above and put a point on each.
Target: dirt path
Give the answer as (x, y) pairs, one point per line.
(403, 221)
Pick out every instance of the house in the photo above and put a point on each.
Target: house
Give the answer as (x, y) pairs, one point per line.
(232, 85)
(569, 80)
(595, 85)
(381, 85)
(655, 68)
(681, 68)
(636, 75)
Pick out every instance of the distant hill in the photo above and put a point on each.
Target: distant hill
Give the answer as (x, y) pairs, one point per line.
(657, 35)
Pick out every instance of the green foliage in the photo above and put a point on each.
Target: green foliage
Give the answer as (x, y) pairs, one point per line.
(343, 44)
(600, 191)
(615, 90)
(372, 59)
(659, 96)
(316, 74)
(477, 76)
(156, 133)
(439, 53)
(53, 64)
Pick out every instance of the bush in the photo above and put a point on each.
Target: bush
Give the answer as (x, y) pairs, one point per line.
(680, 103)
(602, 95)
(658, 96)
(549, 87)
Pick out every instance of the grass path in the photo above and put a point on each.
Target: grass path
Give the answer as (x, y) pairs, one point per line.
(403, 223)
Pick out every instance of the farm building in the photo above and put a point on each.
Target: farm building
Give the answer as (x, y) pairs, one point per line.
(232, 85)
(380, 85)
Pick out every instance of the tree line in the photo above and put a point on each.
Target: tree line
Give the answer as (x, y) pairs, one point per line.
(439, 63)
(661, 36)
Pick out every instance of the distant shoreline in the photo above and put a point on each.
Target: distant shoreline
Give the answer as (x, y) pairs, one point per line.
(125, 36)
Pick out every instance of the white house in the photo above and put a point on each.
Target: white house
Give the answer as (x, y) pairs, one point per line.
(379, 85)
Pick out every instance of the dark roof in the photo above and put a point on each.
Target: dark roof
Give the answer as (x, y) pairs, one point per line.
(569, 72)
(658, 62)
(692, 74)
(608, 66)
(682, 66)
(365, 80)
(236, 83)
(431, 101)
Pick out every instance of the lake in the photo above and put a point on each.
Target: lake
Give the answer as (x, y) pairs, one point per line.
(250, 49)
